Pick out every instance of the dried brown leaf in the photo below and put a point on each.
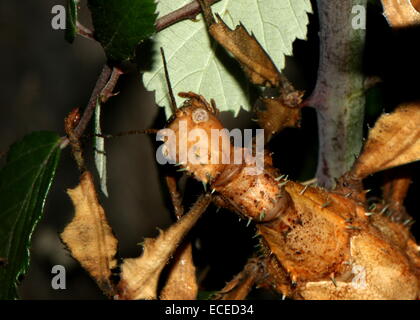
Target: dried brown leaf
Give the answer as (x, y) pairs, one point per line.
(140, 276)
(402, 13)
(182, 282)
(394, 141)
(89, 236)
(277, 115)
(246, 49)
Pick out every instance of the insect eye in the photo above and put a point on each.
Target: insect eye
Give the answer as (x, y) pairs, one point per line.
(200, 115)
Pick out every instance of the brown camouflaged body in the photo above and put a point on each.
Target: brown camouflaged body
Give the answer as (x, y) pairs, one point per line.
(320, 244)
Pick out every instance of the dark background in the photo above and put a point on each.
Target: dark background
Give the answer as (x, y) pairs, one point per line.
(43, 78)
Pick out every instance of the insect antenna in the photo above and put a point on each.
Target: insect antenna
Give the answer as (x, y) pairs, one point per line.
(127, 133)
(168, 82)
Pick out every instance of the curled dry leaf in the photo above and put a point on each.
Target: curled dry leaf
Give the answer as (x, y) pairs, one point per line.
(394, 141)
(402, 13)
(140, 276)
(89, 236)
(246, 49)
(182, 282)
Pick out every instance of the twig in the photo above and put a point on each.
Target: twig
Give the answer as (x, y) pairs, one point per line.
(189, 11)
(103, 88)
(75, 125)
(207, 12)
(87, 114)
(107, 91)
(70, 122)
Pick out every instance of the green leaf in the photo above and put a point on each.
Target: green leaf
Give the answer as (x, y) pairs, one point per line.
(193, 59)
(24, 184)
(120, 25)
(99, 150)
(71, 20)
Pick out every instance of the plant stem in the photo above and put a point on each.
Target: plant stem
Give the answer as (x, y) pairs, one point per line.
(103, 88)
(339, 93)
(87, 114)
(189, 11)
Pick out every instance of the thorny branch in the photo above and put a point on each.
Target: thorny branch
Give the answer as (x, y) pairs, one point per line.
(75, 125)
(338, 96)
(188, 11)
(103, 89)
